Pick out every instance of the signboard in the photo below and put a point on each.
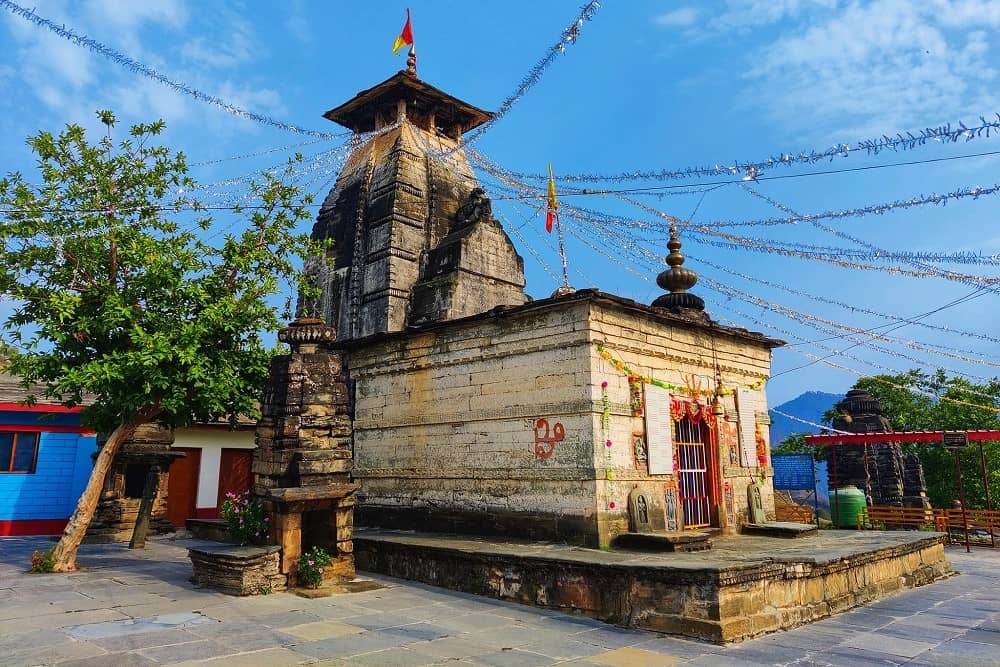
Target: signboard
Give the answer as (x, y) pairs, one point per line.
(659, 431)
(748, 427)
(793, 472)
(955, 439)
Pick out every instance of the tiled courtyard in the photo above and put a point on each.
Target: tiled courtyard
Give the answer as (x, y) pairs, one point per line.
(138, 608)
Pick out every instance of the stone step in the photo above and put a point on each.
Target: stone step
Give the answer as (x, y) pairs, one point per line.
(780, 529)
(675, 541)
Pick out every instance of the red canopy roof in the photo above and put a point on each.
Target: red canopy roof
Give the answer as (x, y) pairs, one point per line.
(896, 436)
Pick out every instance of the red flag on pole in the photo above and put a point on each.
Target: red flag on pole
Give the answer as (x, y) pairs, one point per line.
(405, 37)
(551, 211)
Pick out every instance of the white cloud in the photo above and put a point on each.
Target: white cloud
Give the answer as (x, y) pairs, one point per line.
(746, 14)
(231, 41)
(854, 68)
(885, 65)
(132, 14)
(297, 23)
(682, 17)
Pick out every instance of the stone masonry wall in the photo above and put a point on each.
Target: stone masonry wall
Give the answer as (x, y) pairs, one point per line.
(447, 420)
(671, 353)
(445, 425)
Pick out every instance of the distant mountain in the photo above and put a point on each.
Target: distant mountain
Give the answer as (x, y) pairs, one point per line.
(809, 406)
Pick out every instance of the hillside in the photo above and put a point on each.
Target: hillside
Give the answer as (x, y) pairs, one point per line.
(809, 406)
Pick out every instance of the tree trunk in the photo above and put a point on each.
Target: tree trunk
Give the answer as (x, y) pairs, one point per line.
(64, 553)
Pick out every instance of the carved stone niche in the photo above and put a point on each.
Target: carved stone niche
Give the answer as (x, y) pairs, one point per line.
(645, 512)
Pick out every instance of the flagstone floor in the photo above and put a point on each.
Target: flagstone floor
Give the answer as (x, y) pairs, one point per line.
(138, 608)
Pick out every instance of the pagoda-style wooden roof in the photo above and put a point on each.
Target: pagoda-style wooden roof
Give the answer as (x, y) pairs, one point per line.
(359, 112)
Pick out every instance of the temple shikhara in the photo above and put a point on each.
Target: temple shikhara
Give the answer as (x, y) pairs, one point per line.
(432, 404)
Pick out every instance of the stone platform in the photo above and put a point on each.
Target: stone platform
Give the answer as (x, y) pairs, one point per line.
(744, 586)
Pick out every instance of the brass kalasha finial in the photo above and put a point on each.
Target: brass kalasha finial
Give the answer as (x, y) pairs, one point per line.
(677, 280)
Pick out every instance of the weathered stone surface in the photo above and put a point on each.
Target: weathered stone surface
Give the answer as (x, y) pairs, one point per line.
(745, 586)
(414, 239)
(238, 570)
(302, 462)
(447, 417)
(118, 508)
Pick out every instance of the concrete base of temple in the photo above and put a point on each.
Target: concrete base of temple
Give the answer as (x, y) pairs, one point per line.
(744, 586)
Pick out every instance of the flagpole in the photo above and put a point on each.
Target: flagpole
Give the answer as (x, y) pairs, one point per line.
(562, 254)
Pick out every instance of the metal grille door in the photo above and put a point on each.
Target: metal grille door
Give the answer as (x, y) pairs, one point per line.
(692, 474)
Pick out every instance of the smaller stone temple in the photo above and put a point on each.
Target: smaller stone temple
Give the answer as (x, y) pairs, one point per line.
(144, 458)
(882, 471)
(302, 463)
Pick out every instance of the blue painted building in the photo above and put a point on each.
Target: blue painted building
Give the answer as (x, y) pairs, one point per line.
(45, 460)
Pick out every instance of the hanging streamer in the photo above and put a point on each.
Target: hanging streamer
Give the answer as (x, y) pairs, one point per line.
(534, 75)
(834, 302)
(948, 133)
(621, 366)
(145, 70)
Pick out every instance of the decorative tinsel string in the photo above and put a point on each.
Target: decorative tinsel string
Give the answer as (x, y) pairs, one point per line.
(650, 258)
(829, 254)
(876, 348)
(531, 249)
(800, 316)
(534, 75)
(267, 151)
(746, 243)
(145, 70)
(915, 261)
(974, 192)
(913, 390)
(834, 302)
(947, 133)
(874, 209)
(828, 429)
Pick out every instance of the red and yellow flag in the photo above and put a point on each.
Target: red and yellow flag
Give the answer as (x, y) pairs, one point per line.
(405, 37)
(551, 211)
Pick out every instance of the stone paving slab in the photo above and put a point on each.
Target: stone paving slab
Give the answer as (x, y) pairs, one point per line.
(137, 608)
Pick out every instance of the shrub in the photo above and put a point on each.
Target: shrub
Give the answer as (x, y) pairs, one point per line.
(245, 519)
(311, 565)
(42, 562)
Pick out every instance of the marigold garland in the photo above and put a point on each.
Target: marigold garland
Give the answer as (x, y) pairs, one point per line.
(620, 365)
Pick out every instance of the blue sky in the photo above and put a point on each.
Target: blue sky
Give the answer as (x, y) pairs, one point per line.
(648, 85)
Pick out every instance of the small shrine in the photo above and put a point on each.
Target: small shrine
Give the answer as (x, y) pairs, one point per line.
(302, 462)
(880, 469)
(140, 468)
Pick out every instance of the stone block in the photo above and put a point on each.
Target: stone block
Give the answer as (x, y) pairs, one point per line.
(238, 570)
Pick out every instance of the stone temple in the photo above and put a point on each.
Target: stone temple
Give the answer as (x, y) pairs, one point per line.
(479, 410)
(478, 438)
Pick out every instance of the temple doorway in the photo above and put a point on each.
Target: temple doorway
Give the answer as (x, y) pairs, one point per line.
(696, 462)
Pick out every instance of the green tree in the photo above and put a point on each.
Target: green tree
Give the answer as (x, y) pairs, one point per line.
(116, 301)
(918, 401)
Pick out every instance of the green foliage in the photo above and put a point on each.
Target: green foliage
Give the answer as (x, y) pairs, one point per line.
(245, 518)
(795, 443)
(311, 566)
(932, 410)
(120, 292)
(42, 563)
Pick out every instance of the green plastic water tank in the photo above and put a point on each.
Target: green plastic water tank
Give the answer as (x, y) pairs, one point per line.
(845, 505)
